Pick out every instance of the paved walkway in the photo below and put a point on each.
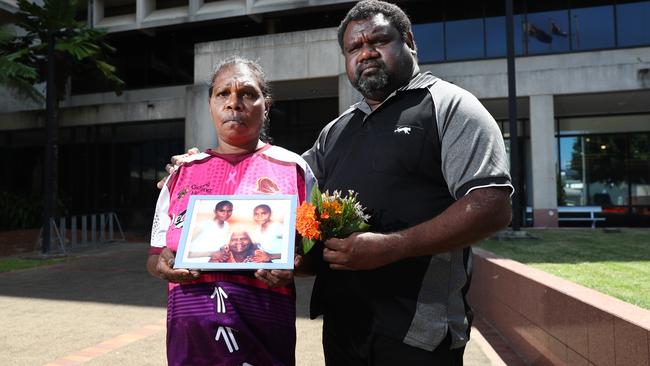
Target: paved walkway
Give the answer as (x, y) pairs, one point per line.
(105, 309)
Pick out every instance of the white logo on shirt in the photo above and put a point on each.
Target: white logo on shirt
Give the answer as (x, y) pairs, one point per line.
(225, 333)
(404, 130)
(220, 294)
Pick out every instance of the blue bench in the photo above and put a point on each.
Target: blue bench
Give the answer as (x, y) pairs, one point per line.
(574, 213)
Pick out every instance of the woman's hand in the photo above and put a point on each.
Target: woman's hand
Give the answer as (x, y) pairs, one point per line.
(275, 277)
(220, 256)
(260, 256)
(164, 268)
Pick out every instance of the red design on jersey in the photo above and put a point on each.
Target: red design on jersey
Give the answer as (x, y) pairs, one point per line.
(266, 185)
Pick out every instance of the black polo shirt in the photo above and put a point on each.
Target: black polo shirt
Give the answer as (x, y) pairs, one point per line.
(427, 144)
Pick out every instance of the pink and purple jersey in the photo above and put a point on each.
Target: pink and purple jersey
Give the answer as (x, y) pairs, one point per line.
(228, 318)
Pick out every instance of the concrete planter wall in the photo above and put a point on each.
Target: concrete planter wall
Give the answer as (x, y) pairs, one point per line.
(551, 321)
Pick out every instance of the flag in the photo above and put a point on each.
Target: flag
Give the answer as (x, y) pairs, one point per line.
(555, 29)
(539, 34)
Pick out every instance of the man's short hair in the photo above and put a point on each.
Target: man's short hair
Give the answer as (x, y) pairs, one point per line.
(366, 9)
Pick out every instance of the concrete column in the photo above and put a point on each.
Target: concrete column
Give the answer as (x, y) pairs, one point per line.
(544, 160)
(199, 130)
(143, 8)
(194, 6)
(347, 94)
(96, 11)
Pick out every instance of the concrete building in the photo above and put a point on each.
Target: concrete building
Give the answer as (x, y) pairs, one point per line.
(582, 72)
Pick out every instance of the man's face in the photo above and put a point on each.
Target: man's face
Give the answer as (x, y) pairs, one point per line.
(239, 242)
(223, 213)
(261, 215)
(377, 60)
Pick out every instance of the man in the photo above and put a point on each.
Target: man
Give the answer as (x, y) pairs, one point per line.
(429, 163)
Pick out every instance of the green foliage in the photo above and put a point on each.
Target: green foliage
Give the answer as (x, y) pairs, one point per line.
(13, 264)
(23, 58)
(617, 264)
(18, 76)
(19, 212)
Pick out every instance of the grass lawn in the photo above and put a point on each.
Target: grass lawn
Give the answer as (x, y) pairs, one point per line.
(12, 264)
(617, 264)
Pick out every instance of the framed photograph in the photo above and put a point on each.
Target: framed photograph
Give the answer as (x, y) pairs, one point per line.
(238, 232)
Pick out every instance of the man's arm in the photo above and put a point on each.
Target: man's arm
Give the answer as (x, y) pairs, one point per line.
(473, 217)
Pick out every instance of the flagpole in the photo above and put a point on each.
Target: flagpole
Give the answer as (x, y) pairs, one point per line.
(512, 111)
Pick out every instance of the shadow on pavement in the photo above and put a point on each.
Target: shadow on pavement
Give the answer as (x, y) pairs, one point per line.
(111, 273)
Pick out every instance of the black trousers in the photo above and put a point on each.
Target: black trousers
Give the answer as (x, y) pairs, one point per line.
(349, 342)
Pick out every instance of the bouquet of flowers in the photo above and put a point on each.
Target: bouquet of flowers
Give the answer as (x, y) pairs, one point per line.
(329, 216)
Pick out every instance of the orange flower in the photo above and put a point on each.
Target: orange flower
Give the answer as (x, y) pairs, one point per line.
(332, 207)
(306, 222)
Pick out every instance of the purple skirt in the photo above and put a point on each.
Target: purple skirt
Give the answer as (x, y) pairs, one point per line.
(228, 323)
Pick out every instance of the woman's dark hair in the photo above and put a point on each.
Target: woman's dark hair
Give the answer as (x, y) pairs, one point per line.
(264, 85)
(263, 206)
(222, 204)
(366, 9)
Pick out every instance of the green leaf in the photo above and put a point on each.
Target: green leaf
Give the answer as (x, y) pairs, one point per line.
(316, 197)
(307, 244)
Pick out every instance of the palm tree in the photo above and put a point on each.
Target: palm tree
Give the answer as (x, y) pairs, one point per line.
(53, 46)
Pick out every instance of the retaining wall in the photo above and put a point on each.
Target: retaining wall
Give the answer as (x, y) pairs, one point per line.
(551, 321)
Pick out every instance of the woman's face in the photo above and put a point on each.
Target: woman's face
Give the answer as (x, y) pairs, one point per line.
(237, 106)
(239, 242)
(223, 213)
(261, 215)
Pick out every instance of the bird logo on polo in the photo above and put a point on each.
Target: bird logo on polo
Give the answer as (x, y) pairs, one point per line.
(405, 130)
(220, 294)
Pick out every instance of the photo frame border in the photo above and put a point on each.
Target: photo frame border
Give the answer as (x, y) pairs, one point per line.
(215, 266)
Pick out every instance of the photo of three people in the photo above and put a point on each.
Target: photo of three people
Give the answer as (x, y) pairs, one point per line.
(238, 232)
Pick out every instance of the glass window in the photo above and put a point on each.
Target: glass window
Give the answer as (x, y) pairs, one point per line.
(572, 172)
(464, 39)
(639, 168)
(592, 28)
(633, 21)
(546, 32)
(495, 36)
(429, 39)
(605, 176)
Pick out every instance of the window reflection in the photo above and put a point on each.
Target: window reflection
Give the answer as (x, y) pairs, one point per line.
(472, 32)
(546, 32)
(633, 23)
(464, 39)
(593, 28)
(495, 36)
(612, 171)
(430, 41)
(639, 168)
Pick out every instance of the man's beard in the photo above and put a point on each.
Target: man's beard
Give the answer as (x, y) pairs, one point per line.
(374, 85)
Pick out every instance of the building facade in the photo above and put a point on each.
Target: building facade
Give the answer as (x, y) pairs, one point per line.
(583, 95)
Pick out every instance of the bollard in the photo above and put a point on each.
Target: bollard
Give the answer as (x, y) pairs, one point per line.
(62, 229)
(102, 228)
(84, 229)
(73, 230)
(110, 226)
(93, 228)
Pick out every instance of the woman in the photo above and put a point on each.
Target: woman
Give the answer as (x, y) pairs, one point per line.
(240, 249)
(229, 318)
(268, 233)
